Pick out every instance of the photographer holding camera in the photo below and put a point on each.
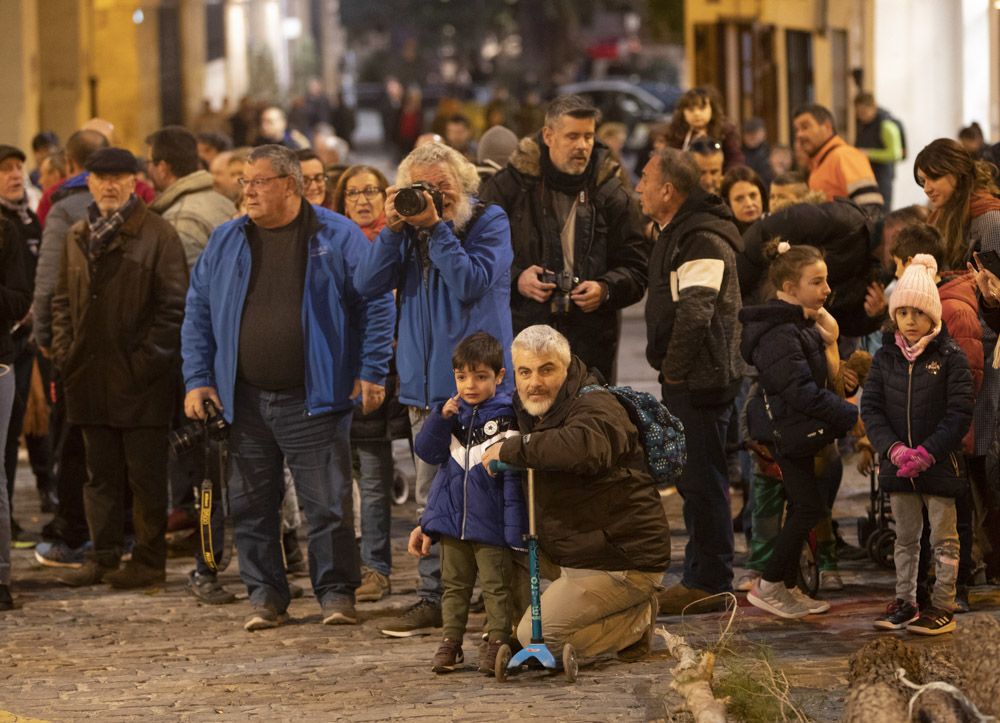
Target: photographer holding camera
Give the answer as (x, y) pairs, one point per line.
(278, 337)
(579, 250)
(448, 258)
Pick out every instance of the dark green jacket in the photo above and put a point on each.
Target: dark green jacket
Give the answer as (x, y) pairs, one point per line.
(596, 506)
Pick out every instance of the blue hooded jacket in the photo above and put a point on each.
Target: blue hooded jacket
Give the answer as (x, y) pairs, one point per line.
(464, 501)
(465, 288)
(346, 335)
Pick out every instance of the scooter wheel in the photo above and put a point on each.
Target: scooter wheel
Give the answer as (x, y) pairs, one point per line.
(570, 666)
(500, 666)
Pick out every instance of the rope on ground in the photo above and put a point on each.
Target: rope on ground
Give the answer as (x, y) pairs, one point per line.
(951, 690)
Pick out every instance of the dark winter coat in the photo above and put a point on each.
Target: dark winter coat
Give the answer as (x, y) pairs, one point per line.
(15, 286)
(595, 505)
(788, 353)
(610, 246)
(692, 326)
(926, 403)
(116, 323)
(845, 235)
(464, 501)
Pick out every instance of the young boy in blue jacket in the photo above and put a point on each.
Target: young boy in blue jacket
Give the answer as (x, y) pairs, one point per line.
(475, 517)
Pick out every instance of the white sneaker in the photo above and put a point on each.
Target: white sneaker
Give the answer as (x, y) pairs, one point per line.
(774, 597)
(830, 580)
(814, 606)
(745, 582)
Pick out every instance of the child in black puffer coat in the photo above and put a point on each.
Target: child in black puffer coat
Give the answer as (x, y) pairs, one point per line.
(789, 340)
(917, 406)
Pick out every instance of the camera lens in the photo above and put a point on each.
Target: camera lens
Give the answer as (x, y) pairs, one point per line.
(410, 202)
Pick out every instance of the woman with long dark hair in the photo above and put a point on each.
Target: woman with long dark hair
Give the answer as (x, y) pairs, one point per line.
(963, 195)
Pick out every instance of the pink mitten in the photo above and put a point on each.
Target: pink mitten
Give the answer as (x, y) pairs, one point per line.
(917, 461)
(898, 453)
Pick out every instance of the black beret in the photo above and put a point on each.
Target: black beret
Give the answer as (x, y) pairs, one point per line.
(111, 160)
(8, 151)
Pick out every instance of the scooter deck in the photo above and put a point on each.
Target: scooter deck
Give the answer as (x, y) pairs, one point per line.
(535, 651)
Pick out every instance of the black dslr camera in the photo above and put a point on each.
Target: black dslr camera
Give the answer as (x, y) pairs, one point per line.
(565, 283)
(410, 200)
(213, 428)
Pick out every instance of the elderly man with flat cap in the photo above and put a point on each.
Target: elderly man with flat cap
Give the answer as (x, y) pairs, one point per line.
(116, 319)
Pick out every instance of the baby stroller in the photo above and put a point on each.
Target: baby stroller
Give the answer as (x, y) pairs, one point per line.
(875, 532)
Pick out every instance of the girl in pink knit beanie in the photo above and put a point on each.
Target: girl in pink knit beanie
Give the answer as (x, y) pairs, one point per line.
(917, 405)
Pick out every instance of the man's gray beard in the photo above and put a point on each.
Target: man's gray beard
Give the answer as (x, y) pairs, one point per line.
(461, 212)
(537, 409)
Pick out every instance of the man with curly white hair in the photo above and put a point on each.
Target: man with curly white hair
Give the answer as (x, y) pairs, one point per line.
(449, 264)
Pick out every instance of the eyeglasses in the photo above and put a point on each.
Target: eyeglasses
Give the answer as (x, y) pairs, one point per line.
(258, 182)
(705, 146)
(370, 193)
(320, 178)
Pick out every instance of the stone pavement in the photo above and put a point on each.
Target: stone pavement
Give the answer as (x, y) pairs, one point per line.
(69, 655)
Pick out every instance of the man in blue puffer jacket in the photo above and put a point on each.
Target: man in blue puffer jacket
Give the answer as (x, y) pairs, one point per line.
(450, 267)
(277, 336)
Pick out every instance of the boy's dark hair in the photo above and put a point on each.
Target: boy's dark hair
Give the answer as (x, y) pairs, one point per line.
(178, 147)
(478, 348)
(919, 238)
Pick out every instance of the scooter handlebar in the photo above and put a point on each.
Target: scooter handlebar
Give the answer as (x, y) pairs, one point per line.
(497, 466)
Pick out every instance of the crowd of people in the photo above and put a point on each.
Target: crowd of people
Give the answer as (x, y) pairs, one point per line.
(311, 311)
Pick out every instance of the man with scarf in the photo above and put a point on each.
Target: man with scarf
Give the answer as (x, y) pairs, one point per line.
(116, 319)
(579, 250)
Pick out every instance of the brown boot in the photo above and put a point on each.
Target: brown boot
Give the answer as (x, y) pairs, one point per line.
(91, 573)
(135, 575)
(679, 598)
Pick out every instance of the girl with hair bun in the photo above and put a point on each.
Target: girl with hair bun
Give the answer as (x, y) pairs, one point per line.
(793, 412)
(917, 406)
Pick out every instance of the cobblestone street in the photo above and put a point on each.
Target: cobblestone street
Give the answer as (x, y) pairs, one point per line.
(157, 654)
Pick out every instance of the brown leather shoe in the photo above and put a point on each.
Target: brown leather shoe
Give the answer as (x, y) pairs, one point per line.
(680, 598)
(134, 575)
(90, 573)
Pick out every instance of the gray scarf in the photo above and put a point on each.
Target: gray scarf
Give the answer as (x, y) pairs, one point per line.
(103, 228)
(19, 207)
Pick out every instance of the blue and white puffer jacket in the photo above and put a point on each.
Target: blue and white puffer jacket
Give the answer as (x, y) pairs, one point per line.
(464, 501)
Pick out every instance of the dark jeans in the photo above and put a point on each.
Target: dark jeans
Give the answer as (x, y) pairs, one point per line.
(704, 485)
(807, 505)
(270, 429)
(70, 457)
(117, 460)
(38, 447)
(375, 486)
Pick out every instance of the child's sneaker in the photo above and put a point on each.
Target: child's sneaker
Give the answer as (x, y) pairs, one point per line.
(933, 621)
(448, 656)
(830, 581)
(774, 597)
(812, 604)
(488, 656)
(897, 616)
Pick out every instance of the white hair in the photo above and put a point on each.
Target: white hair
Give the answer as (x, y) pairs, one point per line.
(542, 339)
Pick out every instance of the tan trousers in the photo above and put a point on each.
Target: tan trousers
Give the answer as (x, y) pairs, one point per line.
(599, 612)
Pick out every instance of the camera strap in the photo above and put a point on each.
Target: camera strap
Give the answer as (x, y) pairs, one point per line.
(206, 494)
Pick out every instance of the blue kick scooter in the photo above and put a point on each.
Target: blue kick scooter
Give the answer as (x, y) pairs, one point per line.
(537, 651)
